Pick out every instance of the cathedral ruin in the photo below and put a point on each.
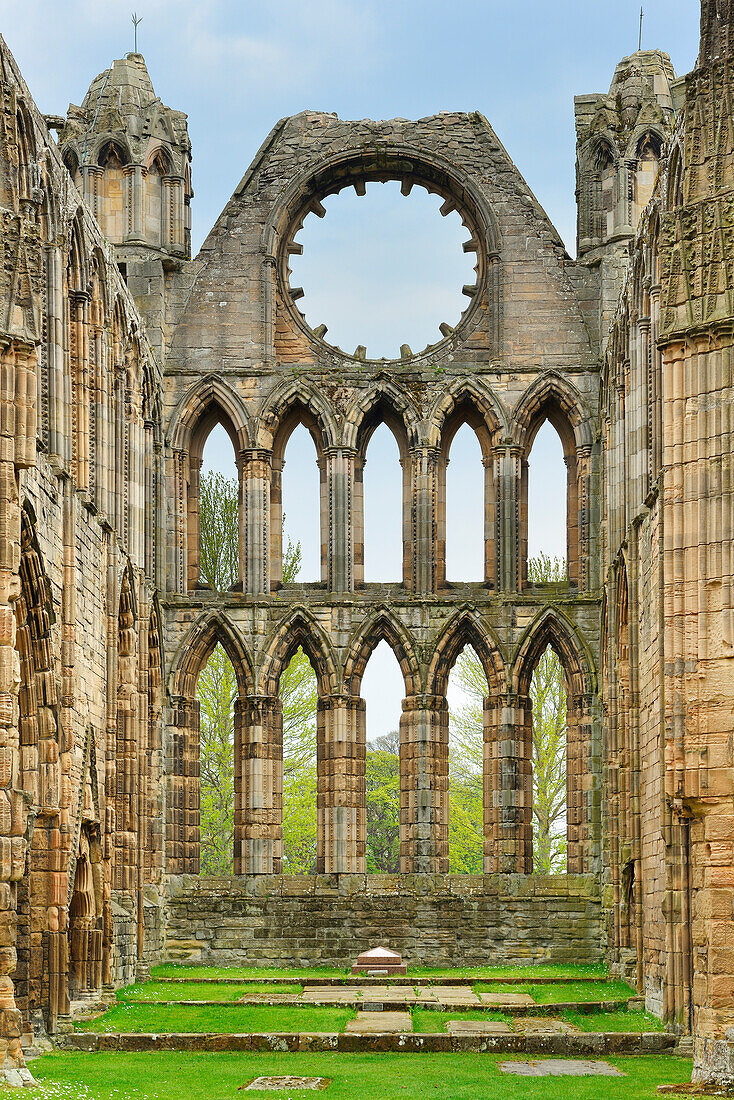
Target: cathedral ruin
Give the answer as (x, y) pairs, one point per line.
(120, 352)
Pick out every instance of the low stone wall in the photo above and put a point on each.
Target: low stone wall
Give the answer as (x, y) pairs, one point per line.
(433, 920)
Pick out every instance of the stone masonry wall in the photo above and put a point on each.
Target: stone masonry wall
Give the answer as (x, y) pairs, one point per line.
(433, 920)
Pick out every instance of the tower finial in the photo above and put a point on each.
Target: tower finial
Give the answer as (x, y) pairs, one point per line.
(136, 21)
(642, 16)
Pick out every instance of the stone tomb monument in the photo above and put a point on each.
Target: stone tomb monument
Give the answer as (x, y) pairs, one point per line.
(379, 962)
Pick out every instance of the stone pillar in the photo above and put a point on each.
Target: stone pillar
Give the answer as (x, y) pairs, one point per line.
(508, 792)
(428, 553)
(424, 775)
(193, 521)
(255, 477)
(511, 481)
(340, 465)
(183, 839)
(258, 786)
(341, 800)
(135, 230)
(581, 783)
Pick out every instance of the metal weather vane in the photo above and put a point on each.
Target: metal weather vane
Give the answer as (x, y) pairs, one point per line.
(136, 21)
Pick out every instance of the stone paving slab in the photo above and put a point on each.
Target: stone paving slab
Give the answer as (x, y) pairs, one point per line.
(561, 1067)
(478, 1027)
(544, 1025)
(506, 999)
(378, 1023)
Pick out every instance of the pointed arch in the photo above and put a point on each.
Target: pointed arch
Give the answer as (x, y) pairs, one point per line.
(292, 403)
(299, 628)
(384, 402)
(382, 626)
(77, 269)
(466, 628)
(467, 400)
(210, 401)
(209, 630)
(553, 398)
(551, 628)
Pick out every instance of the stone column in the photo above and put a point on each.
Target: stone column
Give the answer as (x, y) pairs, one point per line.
(193, 521)
(511, 481)
(428, 553)
(424, 773)
(340, 465)
(183, 841)
(341, 799)
(258, 785)
(255, 477)
(508, 795)
(580, 785)
(135, 230)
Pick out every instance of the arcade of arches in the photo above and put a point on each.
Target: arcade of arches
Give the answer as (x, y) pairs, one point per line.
(120, 353)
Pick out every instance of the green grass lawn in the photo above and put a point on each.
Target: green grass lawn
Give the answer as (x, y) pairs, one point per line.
(614, 1021)
(567, 991)
(426, 1021)
(180, 1076)
(200, 991)
(244, 973)
(594, 971)
(237, 1019)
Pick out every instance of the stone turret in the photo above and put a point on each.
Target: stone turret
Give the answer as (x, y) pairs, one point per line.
(131, 157)
(619, 142)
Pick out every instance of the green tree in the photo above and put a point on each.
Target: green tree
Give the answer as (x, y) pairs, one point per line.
(383, 804)
(217, 689)
(218, 531)
(548, 696)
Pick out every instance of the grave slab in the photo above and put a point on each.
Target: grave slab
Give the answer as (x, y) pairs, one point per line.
(283, 1084)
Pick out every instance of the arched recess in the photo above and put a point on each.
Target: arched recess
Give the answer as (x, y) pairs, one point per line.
(109, 187)
(40, 976)
(465, 628)
(554, 399)
(76, 386)
(337, 809)
(183, 833)
(98, 379)
(551, 628)
(288, 407)
(467, 403)
(385, 404)
(646, 163)
(157, 222)
(625, 828)
(207, 404)
(127, 761)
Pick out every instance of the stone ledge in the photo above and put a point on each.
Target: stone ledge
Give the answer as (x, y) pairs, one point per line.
(557, 1045)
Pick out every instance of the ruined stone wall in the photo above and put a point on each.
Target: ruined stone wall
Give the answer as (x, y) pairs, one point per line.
(667, 537)
(243, 355)
(78, 379)
(433, 920)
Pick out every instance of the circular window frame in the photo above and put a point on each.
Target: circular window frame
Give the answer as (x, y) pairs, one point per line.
(380, 166)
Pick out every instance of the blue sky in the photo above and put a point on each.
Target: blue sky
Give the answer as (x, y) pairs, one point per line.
(237, 67)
